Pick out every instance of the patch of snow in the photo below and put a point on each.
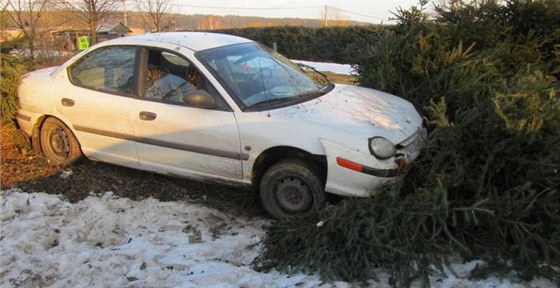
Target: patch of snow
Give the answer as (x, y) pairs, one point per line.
(117, 242)
(344, 69)
(41, 53)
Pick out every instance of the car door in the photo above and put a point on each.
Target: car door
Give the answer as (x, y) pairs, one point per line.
(193, 140)
(98, 100)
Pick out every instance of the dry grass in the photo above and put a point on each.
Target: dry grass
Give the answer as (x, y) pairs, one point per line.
(341, 79)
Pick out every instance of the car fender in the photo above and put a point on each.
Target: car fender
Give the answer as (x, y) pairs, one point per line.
(261, 131)
(35, 100)
(348, 182)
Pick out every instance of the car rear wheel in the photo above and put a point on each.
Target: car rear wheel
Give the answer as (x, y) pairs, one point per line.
(291, 188)
(58, 143)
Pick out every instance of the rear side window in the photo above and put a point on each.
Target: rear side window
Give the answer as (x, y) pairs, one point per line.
(109, 69)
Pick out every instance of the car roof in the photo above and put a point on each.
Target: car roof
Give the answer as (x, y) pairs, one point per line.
(196, 41)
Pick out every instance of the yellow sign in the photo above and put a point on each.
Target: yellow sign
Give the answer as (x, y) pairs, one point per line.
(83, 42)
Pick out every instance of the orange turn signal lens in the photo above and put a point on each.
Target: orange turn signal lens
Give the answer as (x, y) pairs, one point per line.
(349, 164)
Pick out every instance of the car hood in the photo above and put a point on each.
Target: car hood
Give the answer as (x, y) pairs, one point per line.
(359, 110)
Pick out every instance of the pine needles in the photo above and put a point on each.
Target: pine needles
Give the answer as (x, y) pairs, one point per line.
(11, 73)
(487, 185)
(412, 235)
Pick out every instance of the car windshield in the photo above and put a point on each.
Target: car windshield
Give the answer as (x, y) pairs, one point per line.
(260, 78)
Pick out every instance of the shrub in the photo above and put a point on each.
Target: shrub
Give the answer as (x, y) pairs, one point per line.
(487, 185)
(11, 74)
(326, 44)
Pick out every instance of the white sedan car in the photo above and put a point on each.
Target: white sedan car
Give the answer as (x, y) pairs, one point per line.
(223, 109)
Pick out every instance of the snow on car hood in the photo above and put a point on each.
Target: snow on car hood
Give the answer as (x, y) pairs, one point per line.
(359, 110)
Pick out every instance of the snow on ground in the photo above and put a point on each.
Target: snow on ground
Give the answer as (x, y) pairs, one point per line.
(344, 69)
(105, 241)
(41, 53)
(116, 242)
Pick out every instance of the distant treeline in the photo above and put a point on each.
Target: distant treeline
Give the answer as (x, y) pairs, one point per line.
(200, 22)
(57, 18)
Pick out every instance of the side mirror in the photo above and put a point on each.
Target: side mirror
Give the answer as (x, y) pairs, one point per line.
(199, 99)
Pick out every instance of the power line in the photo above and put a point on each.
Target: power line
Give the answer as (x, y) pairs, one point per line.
(251, 8)
(245, 8)
(175, 4)
(358, 14)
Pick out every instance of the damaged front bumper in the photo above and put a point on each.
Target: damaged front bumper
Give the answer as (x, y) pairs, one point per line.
(352, 173)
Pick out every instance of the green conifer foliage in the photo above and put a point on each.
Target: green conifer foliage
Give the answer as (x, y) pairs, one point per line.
(10, 76)
(487, 185)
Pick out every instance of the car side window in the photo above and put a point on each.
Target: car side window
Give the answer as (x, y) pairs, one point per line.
(169, 78)
(109, 69)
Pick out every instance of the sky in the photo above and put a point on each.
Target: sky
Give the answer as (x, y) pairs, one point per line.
(375, 11)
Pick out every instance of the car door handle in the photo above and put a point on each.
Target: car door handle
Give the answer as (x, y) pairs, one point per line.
(67, 102)
(147, 116)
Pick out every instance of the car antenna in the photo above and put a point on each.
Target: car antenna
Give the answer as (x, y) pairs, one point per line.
(264, 86)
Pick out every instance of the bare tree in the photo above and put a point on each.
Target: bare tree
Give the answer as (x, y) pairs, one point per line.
(154, 13)
(91, 12)
(26, 15)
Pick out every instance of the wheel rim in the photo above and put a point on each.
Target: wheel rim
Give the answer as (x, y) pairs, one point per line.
(59, 143)
(293, 194)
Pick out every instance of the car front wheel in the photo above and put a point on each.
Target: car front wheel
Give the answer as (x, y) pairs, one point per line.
(291, 188)
(58, 143)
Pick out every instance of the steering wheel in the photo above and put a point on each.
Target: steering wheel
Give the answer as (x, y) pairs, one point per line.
(175, 91)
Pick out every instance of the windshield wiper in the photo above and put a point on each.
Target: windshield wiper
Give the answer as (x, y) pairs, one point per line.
(270, 101)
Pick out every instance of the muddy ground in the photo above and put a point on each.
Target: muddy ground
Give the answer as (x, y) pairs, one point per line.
(32, 173)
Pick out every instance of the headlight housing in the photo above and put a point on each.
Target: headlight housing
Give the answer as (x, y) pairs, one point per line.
(382, 148)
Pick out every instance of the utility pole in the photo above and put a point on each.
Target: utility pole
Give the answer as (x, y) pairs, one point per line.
(326, 21)
(124, 13)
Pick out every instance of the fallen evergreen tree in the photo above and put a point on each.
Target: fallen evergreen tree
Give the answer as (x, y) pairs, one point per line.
(487, 185)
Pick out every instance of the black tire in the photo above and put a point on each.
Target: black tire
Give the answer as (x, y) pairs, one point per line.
(58, 143)
(291, 188)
